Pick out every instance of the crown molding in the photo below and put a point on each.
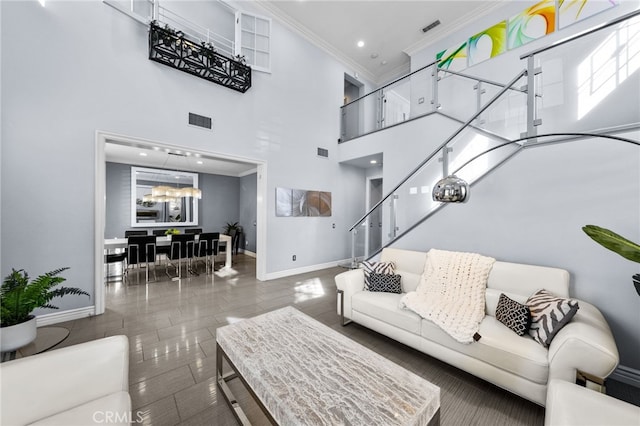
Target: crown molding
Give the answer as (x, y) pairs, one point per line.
(439, 33)
(312, 37)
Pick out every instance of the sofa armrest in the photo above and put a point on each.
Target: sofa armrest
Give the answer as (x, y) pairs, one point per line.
(42, 385)
(585, 344)
(349, 282)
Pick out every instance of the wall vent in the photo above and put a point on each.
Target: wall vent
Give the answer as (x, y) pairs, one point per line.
(431, 26)
(200, 120)
(322, 152)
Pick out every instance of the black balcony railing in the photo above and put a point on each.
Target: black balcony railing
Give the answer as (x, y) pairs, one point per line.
(172, 48)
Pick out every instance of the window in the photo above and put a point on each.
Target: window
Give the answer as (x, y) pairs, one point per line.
(140, 10)
(253, 40)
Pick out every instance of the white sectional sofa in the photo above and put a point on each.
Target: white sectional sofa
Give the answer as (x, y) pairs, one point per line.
(516, 363)
(83, 384)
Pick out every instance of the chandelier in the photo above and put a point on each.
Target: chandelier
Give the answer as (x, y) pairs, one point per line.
(171, 194)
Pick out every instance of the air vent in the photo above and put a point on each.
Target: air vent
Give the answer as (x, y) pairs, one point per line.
(199, 120)
(323, 152)
(431, 26)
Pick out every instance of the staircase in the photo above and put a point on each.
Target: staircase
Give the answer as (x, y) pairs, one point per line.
(492, 122)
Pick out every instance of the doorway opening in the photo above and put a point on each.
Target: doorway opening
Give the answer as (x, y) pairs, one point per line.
(108, 149)
(374, 228)
(352, 113)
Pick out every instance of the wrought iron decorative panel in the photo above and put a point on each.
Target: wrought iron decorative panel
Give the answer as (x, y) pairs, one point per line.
(172, 48)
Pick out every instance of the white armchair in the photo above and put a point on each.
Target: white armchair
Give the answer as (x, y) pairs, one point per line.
(78, 385)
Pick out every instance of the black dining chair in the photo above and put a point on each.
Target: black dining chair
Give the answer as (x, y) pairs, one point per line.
(132, 232)
(141, 249)
(160, 232)
(207, 249)
(182, 247)
(112, 258)
(193, 231)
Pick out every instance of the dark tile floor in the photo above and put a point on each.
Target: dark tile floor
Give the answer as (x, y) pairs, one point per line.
(171, 327)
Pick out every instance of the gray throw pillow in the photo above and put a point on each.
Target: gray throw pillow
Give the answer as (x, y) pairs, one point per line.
(549, 313)
(388, 283)
(378, 268)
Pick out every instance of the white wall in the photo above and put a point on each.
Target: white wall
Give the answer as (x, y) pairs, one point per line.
(72, 68)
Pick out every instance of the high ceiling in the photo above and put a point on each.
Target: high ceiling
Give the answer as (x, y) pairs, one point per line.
(389, 29)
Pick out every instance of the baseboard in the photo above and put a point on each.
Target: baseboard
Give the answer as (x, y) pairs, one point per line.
(304, 269)
(626, 375)
(70, 315)
(247, 252)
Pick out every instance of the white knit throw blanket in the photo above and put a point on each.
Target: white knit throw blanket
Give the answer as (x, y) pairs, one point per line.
(451, 292)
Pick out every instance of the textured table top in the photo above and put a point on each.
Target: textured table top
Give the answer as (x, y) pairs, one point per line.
(308, 374)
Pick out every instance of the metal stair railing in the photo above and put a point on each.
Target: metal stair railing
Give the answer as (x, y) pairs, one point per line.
(442, 148)
(527, 139)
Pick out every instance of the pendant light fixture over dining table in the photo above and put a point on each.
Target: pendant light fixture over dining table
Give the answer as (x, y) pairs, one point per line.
(167, 193)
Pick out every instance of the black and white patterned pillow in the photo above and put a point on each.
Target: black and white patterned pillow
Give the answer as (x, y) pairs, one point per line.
(378, 268)
(514, 315)
(389, 283)
(549, 313)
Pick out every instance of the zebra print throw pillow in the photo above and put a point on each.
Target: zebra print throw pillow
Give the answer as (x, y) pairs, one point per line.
(378, 268)
(514, 315)
(388, 283)
(549, 314)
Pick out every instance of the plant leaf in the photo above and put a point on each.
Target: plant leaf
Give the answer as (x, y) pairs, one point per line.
(614, 242)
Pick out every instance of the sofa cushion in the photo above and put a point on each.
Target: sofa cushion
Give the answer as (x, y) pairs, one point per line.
(113, 409)
(389, 283)
(385, 307)
(409, 264)
(514, 315)
(549, 314)
(500, 347)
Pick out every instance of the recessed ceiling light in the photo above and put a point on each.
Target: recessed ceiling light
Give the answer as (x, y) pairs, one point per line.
(155, 148)
(361, 43)
(383, 62)
(143, 154)
(373, 162)
(199, 162)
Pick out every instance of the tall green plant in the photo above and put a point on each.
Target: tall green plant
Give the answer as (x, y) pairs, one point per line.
(19, 297)
(614, 242)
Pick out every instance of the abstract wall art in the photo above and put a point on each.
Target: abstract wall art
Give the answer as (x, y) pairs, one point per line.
(572, 11)
(302, 203)
(454, 59)
(531, 24)
(488, 44)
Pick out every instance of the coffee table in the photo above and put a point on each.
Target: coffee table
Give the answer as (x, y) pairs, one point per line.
(301, 372)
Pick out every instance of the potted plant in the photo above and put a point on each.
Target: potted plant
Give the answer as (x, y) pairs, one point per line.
(614, 242)
(19, 297)
(231, 228)
(172, 231)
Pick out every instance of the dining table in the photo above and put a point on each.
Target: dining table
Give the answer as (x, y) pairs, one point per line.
(111, 244)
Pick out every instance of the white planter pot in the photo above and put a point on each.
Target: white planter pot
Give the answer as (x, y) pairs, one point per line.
(17, 336)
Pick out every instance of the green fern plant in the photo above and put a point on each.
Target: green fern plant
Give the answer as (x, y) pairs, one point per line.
(19, 297)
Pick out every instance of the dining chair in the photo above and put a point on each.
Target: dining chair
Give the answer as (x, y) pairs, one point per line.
(182, 247)
(132, 232)
(193, 231)
(141, 249)
(112, 258)
(159, 232)
(207, 249)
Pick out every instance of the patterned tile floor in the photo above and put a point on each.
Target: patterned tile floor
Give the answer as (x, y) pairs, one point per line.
(171, 327)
